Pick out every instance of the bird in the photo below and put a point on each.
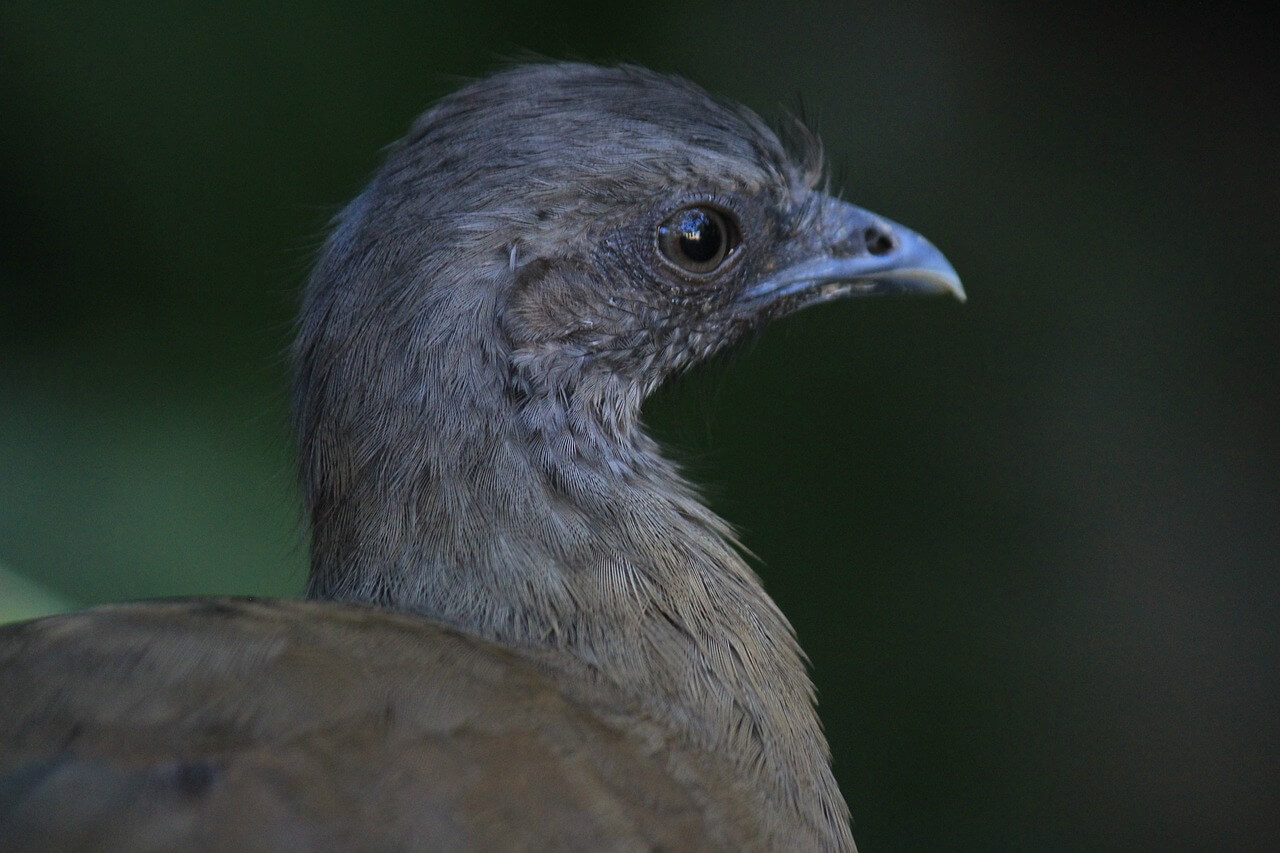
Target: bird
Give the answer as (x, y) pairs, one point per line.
(523, 629)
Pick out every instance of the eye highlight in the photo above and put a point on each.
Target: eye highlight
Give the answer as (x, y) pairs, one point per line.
(697, 239)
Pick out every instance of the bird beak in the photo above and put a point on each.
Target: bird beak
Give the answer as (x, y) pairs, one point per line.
(857, 253)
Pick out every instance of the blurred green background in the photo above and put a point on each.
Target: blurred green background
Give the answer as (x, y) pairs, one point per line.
(1030, 543)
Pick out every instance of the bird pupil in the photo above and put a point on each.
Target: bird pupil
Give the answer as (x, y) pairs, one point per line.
(700, 237)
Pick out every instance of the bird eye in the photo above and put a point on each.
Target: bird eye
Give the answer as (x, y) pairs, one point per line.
(697, 239)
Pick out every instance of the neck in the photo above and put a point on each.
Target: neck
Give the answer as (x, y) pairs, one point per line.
(548, 519)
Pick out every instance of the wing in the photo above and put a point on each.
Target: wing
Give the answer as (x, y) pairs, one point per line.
(225, 724)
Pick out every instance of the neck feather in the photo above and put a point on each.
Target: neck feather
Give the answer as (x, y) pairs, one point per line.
(546, 518)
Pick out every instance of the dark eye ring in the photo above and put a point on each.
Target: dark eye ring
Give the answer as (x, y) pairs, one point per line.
(697, 239)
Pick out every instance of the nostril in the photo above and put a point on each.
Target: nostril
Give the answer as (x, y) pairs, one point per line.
(878, 241)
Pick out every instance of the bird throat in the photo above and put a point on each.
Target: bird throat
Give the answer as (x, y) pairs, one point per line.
(549, 520)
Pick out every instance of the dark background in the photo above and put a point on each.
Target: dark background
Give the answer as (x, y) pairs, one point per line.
(1030, 543)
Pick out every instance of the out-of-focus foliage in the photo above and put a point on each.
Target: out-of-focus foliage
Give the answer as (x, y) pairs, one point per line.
(1029, 543)
(21, 597)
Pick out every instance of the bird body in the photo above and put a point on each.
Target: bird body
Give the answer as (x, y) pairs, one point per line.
(532, 634)
(276, 725)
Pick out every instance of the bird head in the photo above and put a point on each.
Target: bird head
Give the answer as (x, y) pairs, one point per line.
(602, 228)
